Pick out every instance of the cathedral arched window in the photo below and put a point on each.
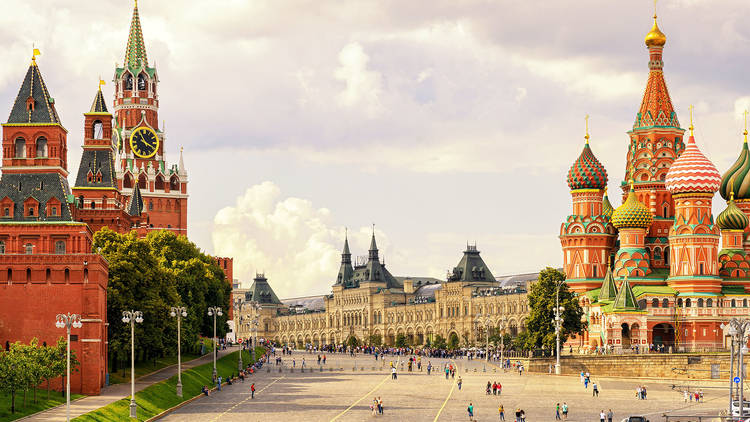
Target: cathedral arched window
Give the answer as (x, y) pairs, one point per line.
(41, 146)
(20, 148)
(142, 181)
(700, 302)
(60, 247)
(29, 248)
(174, 183)
(734, 303)
(709, 303)
(142, 82)
(159, 183)
(655, 303)
(687, 303)
(666, 255)
(98, 130)
(128, 81)
(127, 181)
(665, 303)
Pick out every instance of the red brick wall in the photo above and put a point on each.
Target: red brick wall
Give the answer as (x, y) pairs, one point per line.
(30, 301)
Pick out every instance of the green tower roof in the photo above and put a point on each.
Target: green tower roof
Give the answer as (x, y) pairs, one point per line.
(609, 288)
(135, 51)
(625, 299)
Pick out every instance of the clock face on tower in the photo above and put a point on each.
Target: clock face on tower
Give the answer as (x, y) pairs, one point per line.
(144, 142)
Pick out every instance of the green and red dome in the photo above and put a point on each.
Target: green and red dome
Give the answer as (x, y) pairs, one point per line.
(587, 172)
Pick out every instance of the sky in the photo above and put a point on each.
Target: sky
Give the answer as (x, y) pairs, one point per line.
(442, 122)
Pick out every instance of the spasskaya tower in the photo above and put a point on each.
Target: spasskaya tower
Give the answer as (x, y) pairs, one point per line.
(139, 142)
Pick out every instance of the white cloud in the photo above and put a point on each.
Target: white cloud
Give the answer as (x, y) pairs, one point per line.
(521, 93)
(290, 240)
(363, 86)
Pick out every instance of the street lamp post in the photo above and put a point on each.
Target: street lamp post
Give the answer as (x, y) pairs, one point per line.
(501, 328)
(237, 310)
(67, 321)
(179, 312)
(214, 311)
(739, 329)
(486, 322)
(132, 317)
(558, 322)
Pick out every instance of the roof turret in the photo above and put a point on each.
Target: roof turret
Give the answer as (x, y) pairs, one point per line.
(587, 172)
(732, 218)
(632, 213)
(609, 287)
(135, 51)
(33, 103)
(625, 299)
(607, 208)
(737, 178)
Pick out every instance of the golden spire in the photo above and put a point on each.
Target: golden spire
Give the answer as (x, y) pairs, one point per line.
(744, 132)
(655, 38)
(136, 4)
(731, 181)
(691, 119)
(587, 129)
(35, 52)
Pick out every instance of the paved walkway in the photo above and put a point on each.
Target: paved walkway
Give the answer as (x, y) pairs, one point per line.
(116, 392)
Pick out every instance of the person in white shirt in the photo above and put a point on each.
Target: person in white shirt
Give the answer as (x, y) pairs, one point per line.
(602, 416)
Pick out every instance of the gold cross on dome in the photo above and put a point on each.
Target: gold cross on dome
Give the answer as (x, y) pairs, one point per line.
(654, 7)
(587, 128)
(691, 119)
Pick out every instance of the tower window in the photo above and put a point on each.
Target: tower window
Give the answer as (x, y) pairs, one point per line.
(595, 268)
(41, 146)
(53, 211)
(141, 82)
(7, 212)
(98, 130)
(701, 268)
(20, 148)
(128, 81)
(666, 211)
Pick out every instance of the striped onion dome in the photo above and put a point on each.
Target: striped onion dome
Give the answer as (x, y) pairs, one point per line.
(692, 172)
(732, 218)
(737, 178)
(632, 213)
(607, 208)
(587, 172)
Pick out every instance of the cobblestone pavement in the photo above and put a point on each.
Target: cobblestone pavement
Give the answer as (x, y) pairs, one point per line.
(346, 395)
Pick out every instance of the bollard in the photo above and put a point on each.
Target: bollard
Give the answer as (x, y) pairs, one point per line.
(291, 369)
(279, 369)
(467, 370)
(484, 368)
(268, 369)
(302, 370)
(321, 369)
(475, 369)
(362, 369)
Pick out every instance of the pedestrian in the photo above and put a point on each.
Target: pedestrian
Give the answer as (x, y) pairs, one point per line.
(459, 382)
(252, 390)
(565, 411)
(501, 411)
(602, 416)
(380, 405)
(586, 383)
(700, 394)
(518, 415)
(470, 409)
(393, 373)
(429, 367)
(557, 412)
(581, 377)
(488, 390)
(218, 383)
(595, 393)
(374, 406)
(610, 415)
(685, 396)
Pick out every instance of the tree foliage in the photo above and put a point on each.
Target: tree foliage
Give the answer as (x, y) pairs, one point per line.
(401, 340)
(25, 366)
(540, 323)
(453, 341)
(151, 275)
(439, 342)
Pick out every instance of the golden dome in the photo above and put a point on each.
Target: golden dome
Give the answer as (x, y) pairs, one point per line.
(655, 37)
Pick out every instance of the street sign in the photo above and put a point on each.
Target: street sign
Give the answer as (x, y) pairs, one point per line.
(736, 380)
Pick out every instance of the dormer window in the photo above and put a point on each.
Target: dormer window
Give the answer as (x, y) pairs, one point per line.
(31, 211)
(30, 103)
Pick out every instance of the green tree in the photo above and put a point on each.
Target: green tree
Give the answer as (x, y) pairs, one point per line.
(401, 340)
(352, 341)
(439, 342)
(453, 341)
(376, 340)
(151, 275)
(540, 326)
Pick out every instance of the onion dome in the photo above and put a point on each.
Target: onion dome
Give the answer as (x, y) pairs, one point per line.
(737, 178)
(607, 208)
(692, 172)
(632, 213)
(655, 38)
(587, 172)
(732, 218)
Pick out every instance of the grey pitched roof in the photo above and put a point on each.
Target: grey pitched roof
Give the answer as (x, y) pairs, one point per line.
(99, 105)
(97, 161)
(34, 88)
(312, 303)
(260, 291)
(609, 288)
(471, 267)
(40, 186)
(136, 201)
(625, 298)
(428, 290)
(346, 272)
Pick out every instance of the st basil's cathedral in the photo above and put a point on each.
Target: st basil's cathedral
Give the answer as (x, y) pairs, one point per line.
(659, 270)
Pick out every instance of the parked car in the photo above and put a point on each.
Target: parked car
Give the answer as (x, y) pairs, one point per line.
(736, 408)
(635, 419)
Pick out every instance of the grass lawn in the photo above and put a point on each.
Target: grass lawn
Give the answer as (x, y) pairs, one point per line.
(144, 368)
(55, 398)
(161, 396)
